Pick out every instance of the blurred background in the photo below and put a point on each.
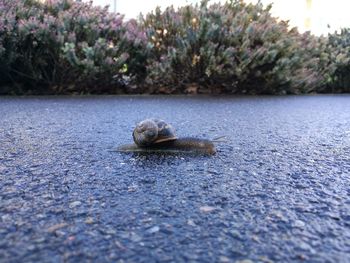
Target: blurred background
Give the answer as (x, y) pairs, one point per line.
(317, 16)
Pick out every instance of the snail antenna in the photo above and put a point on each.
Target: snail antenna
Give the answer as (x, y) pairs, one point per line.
(222, 138)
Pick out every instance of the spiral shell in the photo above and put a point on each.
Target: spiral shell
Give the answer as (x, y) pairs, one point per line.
(153, 131)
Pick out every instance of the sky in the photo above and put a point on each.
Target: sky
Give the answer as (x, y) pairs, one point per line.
(321, 16)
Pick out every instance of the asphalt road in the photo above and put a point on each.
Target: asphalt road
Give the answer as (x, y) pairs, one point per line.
(277, 191)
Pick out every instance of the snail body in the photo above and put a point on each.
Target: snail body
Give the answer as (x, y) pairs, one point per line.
(190, 144)
(153, 135)
(181, 145)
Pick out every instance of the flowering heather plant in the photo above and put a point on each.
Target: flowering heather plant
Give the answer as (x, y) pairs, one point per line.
(65, 46)
(7, 39)
(338, 50)
(233, 47)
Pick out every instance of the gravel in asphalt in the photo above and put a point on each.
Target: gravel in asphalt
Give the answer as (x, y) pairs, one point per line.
(276, 191)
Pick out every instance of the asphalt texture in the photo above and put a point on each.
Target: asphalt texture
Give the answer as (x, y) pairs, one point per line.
(278, 190)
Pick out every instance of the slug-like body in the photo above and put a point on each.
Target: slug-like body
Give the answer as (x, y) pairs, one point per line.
(189, 144)
(153, 135)
(181, 145)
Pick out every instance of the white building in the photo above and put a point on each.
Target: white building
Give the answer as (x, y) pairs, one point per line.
(318, 16)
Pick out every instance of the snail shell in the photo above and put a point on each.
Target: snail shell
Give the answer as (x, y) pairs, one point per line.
(153, 131)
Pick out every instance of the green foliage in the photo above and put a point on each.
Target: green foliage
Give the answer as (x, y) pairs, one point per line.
(234, 48)
(338, 50)
(67, 47)
(64, 46)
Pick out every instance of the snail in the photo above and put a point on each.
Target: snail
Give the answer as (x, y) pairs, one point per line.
(154, 135)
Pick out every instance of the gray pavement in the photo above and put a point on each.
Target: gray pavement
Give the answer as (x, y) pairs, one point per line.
(277, 190)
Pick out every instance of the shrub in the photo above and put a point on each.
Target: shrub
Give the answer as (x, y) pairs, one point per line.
(65, 46)
(339, 54)
(234, 47)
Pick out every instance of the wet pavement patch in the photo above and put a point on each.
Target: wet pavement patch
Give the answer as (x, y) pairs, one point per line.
(276, 191)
